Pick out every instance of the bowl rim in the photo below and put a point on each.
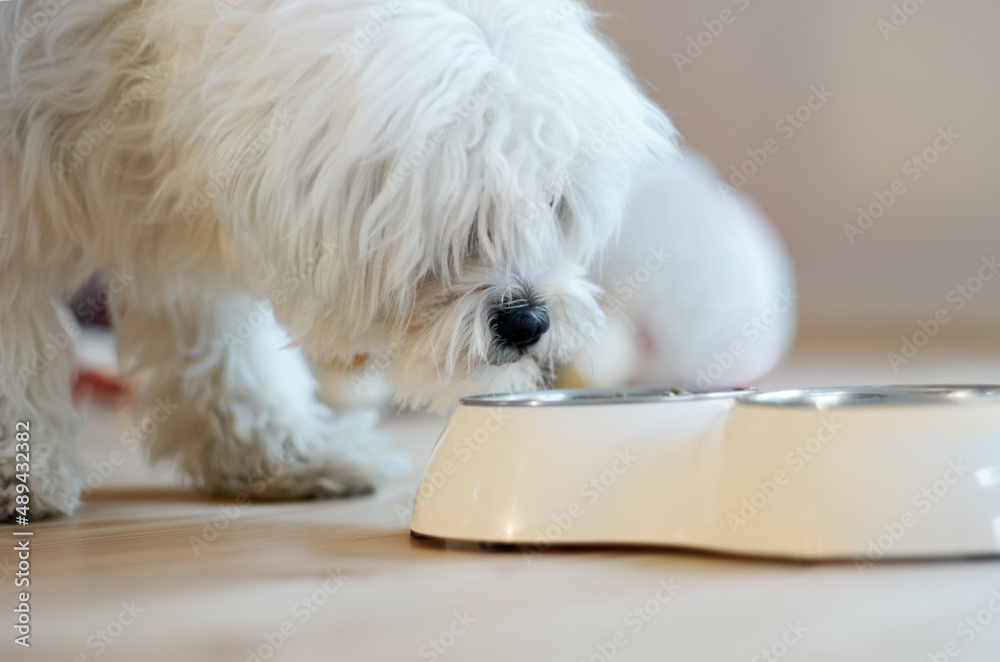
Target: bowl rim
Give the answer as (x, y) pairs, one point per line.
(839, 397)
(601, 396)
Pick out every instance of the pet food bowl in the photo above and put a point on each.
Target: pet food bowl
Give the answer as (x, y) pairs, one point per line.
(865, 473)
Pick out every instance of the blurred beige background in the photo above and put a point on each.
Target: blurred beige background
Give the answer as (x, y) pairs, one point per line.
(892, 92)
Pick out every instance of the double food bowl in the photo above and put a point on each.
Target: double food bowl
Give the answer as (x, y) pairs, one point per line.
(866, 473)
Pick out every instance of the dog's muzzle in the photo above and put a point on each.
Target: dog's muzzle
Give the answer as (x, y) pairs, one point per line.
(520, 326)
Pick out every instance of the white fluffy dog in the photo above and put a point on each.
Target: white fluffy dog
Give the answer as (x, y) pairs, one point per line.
(421, 184)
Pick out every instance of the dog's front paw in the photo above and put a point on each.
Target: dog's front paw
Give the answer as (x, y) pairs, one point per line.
(338, 466)
(51, 475)
(255, 450)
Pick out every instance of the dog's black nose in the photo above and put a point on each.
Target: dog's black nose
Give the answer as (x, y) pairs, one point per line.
(520, 326)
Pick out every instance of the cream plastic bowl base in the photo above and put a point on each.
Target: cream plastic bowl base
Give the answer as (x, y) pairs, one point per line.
(867, 473)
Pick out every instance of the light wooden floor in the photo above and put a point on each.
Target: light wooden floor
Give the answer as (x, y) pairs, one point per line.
(263, 583)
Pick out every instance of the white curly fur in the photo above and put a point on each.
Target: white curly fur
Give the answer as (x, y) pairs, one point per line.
(380, 174)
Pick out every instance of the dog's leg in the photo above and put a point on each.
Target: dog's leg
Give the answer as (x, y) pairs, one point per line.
(37, 418)
(238, 410)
